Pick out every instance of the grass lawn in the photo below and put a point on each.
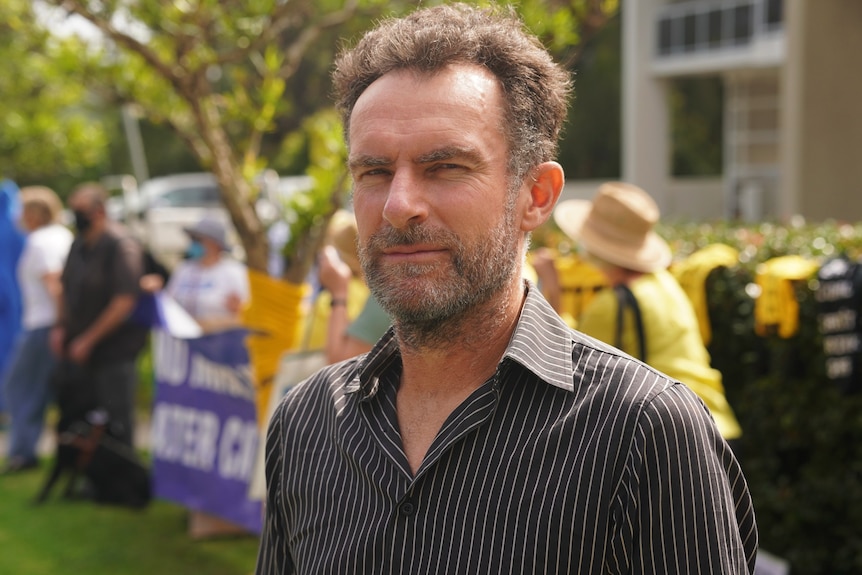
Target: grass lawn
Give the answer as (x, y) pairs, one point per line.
(72, 537)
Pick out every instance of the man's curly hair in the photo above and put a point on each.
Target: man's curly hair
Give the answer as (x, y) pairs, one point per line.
(535, 89)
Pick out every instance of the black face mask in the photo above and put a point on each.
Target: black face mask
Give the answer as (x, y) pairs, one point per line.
(83, 221)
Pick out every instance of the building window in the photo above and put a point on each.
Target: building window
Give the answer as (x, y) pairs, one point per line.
(699, 25)
(689, 32)
(714, 28)
(665, 36)
(774, 13)
(742, 24)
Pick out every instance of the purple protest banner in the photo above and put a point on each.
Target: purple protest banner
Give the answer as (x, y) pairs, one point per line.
(204, 426)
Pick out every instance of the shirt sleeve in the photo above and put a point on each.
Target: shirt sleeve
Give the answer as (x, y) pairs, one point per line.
(683, 505)
(127, 268)
(273, 556)
(46, 260)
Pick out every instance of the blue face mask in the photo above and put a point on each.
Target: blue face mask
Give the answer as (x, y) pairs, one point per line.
(195, 251)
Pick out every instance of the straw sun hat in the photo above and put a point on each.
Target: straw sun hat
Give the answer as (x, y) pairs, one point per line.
(341, 233)
(617, 226)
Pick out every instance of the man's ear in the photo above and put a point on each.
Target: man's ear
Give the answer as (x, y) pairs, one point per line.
(544, 190)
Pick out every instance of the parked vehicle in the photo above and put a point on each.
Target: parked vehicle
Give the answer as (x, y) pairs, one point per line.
(159, 209)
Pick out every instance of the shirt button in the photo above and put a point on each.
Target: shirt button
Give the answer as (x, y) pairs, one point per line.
(408, 508)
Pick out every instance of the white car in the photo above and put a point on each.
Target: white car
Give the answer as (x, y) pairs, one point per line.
(162, 207)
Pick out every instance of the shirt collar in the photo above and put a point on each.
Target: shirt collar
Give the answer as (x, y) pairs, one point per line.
(541, 342)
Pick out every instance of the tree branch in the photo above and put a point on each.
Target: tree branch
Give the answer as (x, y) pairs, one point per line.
(282, 19)
(173, 75)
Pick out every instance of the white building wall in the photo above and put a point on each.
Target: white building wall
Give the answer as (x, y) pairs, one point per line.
(750, 190)
(645, 118)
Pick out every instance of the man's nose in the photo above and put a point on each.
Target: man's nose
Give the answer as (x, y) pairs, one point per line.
(406, 202)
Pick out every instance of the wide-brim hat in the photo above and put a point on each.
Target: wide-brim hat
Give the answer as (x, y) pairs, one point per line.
(342, 234)
(617, 227)
(209, 228)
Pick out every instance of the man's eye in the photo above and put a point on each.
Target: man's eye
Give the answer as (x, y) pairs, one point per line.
(372, 173)
(442, 167)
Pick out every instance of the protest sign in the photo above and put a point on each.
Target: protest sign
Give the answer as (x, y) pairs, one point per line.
(204, 428)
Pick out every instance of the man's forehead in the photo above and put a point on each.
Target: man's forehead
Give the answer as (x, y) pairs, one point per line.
(445, 118)
(411, 93)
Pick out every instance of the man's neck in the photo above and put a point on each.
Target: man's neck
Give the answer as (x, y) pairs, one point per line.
(469, 349)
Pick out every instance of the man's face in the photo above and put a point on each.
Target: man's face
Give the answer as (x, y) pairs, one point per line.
(437, 233)
(87, 214)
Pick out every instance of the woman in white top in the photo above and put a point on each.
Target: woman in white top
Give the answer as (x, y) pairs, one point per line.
(27, 383)
(212, 287)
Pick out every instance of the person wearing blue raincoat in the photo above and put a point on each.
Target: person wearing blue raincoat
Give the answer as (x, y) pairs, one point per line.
(11, 246)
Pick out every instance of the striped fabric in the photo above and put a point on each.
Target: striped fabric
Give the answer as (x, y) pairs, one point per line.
(572, 458)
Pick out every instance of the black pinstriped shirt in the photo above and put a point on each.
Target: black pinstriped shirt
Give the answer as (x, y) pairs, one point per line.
(572, 458)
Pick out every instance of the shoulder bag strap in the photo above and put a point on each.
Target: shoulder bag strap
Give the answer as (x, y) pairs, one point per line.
(626, 300)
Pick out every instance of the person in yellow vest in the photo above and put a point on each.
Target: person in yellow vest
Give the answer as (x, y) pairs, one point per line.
(646, 314)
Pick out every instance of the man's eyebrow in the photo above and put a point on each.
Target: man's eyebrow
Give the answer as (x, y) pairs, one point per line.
(366, 161)
(439, 155)
(448, 153)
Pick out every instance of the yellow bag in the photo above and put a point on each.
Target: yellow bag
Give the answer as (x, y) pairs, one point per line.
(776, 310)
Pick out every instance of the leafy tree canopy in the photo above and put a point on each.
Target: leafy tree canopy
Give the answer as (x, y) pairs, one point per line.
(51, 123)
(235, 78)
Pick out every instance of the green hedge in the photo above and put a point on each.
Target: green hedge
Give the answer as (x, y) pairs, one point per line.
(801, 448)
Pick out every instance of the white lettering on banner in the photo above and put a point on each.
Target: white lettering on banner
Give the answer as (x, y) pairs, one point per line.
(185, 435)
(838, 321)
(238, 449)
(170, 358)
(841, 344)
(837, 367)
(220, 378)
(834, 290)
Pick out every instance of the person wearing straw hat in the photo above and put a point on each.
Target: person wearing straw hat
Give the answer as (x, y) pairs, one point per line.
(210, 285)
(646, 314)
(481, 434)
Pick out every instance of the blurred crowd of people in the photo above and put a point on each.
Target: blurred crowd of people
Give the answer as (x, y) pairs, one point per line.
(77, 293)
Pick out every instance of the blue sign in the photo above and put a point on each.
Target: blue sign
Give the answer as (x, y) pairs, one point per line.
(204, 429)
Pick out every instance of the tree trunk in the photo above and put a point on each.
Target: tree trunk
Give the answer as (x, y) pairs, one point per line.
(236, 193)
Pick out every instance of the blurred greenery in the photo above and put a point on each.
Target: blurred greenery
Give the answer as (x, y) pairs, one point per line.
(67, 537)
(53, 127)
(591, 141)
(801, 448)
(229, 88)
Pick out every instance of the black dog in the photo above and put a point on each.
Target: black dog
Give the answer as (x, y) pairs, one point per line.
(88, 449)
